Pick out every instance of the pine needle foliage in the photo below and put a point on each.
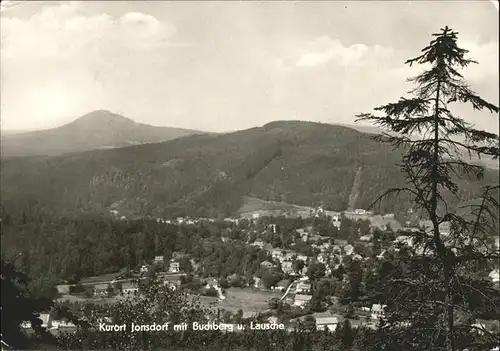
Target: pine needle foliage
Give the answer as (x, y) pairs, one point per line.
(435, 302)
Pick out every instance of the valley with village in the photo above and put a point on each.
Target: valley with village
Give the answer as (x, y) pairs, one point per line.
(334, 252)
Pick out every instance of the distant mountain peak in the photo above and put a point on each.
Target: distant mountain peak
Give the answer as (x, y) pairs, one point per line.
(102, 117)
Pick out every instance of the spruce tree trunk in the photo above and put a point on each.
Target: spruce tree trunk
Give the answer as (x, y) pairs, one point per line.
(440, 248)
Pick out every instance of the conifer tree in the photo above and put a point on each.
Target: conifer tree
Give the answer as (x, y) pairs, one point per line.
(435, 298)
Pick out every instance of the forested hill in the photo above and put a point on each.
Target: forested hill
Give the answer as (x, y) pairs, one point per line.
(206, 175)
(95, 130)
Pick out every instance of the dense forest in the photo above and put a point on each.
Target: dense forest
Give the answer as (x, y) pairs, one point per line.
(206, 175)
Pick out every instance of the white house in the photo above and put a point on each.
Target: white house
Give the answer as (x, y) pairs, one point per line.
(366, 237)
(494, 275)
(303, 288)
(60, 324)
(377, 311)
(130, 288)
(349, 249)
(301, 300)
(212, 283)
(46, 320)
(287, 267)
(174, 267)
(336, 221)
(328, 323)
(277, 253)
(302, 258)
(258, 243)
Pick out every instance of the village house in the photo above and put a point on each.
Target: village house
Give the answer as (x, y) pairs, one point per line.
(367, 237)
(336, 220)
(277, 254)
(130, 288)
(63, 289)
(326, 323)
(303, 288)
(301, 300)
(272, 320)
(494, 276)
(44, 317)
(211, 283)
(302, 258)
(258, 243)
(62, 324)
(46, 320)
(144, 269)
(171, 281)
(287, 267)
(377, 311)
(349, 249)
(173, 267)
(101, 290)
(267, 265)
(257, 283)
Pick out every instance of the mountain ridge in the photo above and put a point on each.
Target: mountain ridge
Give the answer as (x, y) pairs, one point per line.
(94, 130)
(206, 175)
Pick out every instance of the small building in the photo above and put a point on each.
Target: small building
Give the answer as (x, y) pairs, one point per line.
(63, 289)
(257, 283)
(303, 288)
(212, 283)
(367, 237)
(287, 267)
(494, 276)
(130, 288)
(377, 311)
(172, 282)
(144, 269)
(46, 320)
(101, 290)
(302, 258)
(349, 249)
(63, 324)
(267, 265)
(336, 221)
(328, 323)
(301, 300)
(272, 320)
(277, 253)
(158, 260)
(359, 211)
(258, 243)
(174, 267)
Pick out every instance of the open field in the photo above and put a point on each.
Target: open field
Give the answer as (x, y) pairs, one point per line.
(249, 300)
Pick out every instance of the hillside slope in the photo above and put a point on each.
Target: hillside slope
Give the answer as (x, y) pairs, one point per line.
(95, 130)
(301, 163)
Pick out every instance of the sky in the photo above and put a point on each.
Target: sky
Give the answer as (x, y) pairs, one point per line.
(224, 66)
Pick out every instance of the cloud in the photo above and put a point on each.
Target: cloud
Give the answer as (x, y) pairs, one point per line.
(486, 54)
(63, 32)
(324, 50)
